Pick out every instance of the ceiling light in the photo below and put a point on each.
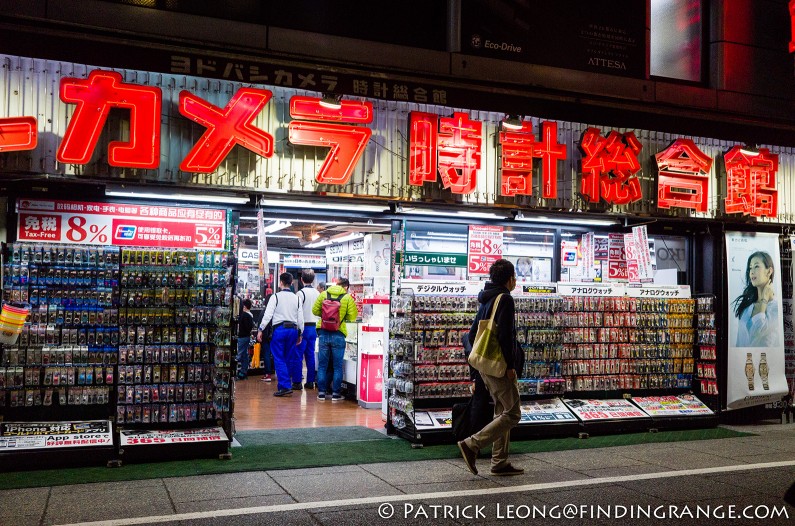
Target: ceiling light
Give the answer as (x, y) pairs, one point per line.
(317, 244)
(566, 220)
(750, 150)
(351, 206)
(172, 195)
(512, 122)
(282, 237)
(278, 225)
(331, 101)
(457, 214)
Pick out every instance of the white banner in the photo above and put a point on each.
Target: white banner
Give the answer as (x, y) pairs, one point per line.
(612, 290)
(53, 435)
(755, 373)
(645, 270)
(262, 245)
(587, 256)
(148, 437)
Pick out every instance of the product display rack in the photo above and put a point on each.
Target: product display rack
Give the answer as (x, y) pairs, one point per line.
(706, 384)
(62, 367)
(138, 337)
(175, 353)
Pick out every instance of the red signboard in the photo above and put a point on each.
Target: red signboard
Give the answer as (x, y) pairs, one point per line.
(683, 179)
(609, 167)
(120, 224)
(751, 182)
(519, 148)
(18, 133)
(485, 247)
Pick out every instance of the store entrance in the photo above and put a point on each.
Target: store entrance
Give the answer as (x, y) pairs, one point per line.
(330, 249)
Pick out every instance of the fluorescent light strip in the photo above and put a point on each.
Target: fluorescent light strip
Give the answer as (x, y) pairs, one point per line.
(317, 244)
(567, 221)
(349, 237)
(196, 198)
(318, 220)
(447, 234)
(282, 237)
(458, 214)
(319, 205)
(278, 225)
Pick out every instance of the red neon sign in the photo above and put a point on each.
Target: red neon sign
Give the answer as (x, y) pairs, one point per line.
(519, 148)
(683, 179)
(751, 182)
(449, 145)
(18, 133)
(609, 167)
(95, 96)
(346, 143)
(225, 128)
(792, 24)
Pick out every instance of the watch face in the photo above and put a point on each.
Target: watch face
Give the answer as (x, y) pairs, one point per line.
(749, 371)
(763, 369)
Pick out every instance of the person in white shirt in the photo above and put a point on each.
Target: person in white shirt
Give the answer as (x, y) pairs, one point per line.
(287, 317)
(306, 349)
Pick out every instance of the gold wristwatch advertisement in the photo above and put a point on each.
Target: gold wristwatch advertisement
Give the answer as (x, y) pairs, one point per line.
(749, 371)
(764, 371)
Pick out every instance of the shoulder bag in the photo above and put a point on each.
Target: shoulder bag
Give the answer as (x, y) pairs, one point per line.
(486, 355)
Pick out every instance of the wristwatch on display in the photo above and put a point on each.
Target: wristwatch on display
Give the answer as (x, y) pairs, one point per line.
(763, 371)
(749, 371)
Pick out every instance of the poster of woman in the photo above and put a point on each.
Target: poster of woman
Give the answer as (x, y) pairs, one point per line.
(756, 373)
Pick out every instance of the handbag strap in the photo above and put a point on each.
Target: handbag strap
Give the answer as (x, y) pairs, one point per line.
(494, 309)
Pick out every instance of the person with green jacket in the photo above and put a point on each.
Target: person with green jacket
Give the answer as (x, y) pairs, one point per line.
(334, 307)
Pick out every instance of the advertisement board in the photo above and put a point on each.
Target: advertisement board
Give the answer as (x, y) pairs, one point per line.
(20, 436)
(86, 223)
(148, 437)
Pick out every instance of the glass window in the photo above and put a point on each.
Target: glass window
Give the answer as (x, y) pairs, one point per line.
(676, 47)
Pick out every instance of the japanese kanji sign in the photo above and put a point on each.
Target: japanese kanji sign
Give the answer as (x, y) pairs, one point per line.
(751, 182)
(518, 148)
(609, 167)
(683, 179)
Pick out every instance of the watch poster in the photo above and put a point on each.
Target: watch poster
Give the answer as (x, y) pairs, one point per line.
(756, 373)
(545, 412)
(20, 436)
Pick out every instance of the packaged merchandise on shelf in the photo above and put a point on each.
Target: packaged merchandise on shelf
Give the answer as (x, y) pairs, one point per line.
(142, 330)
(706, 373)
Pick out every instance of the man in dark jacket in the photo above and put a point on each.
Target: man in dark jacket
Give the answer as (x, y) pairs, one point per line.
(504, 390)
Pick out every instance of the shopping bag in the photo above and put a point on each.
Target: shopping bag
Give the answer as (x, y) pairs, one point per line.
(486, 355)
(472, 416)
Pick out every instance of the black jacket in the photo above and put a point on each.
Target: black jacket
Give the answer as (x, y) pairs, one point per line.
(505, 318)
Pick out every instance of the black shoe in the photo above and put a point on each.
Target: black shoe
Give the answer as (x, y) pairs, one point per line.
(297, 386)
(283, 392)
(321, 397)
(507, 470)
(242, 377)
(336, 398)
(309, 385)
(470, 456)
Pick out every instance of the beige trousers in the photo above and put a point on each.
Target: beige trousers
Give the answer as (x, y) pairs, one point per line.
(507, 412)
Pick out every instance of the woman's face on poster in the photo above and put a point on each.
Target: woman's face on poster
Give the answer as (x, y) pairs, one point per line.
(758, 274)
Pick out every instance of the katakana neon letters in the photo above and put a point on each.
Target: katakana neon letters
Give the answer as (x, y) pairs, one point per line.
(225, 128)
(347, 142)
(449, 145)
(609, 167)
(751, 182)
(18, 133)
(683, 179)
(519, 148)
(95, 96)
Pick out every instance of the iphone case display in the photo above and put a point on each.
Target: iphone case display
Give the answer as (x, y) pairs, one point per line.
(174, 346)
(67, 351)
(621, 343)
(706, 335)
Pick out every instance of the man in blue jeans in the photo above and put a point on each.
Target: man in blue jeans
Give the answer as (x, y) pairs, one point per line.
(306, 351)
(283, 310)
(335, 307)
(244, 325)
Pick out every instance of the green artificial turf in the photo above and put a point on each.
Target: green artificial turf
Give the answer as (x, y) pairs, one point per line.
(272, 454)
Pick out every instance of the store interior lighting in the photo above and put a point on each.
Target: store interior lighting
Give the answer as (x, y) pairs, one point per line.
(457, 214)
(331, 101)
(318, 205)
(512, 122)
(318, 244)
(566, 220)
(172, 195)
(277, 226)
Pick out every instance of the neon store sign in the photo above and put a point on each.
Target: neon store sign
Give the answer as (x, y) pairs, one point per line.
(446, 148)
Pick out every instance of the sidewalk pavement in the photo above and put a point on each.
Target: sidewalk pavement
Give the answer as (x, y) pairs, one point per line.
(745, 471)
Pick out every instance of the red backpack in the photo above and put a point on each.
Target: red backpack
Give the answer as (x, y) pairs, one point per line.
(330, 313)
